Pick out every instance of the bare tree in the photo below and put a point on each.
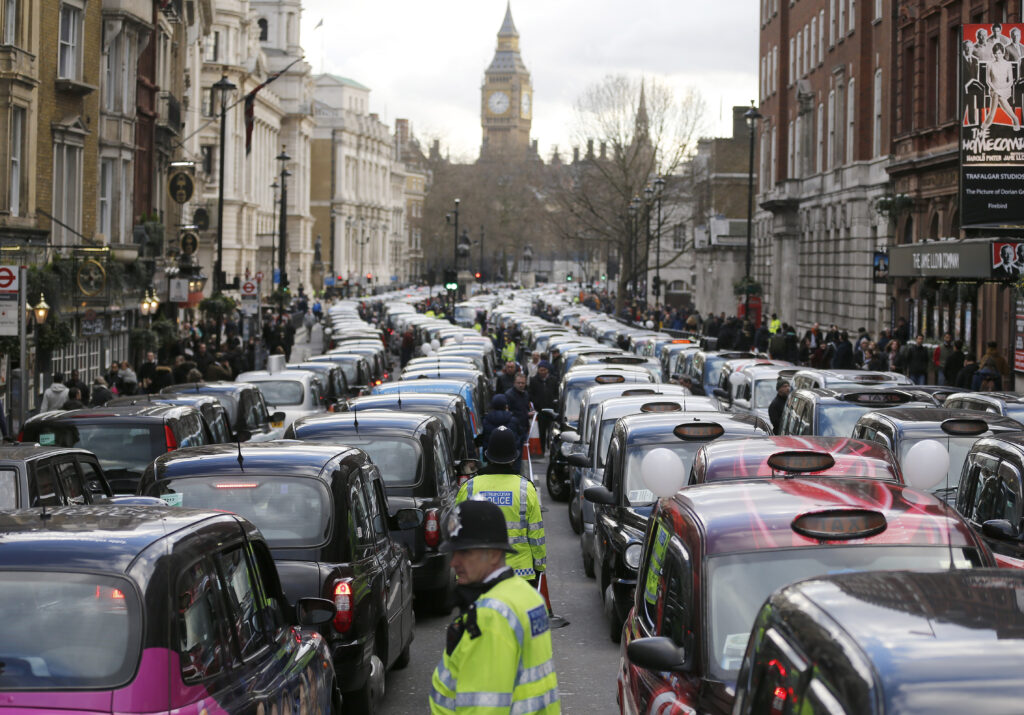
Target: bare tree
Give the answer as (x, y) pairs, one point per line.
(644, 132)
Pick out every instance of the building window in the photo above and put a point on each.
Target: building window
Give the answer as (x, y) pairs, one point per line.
(70, 47)
(952, 62)
(808, 56)
(110, 65)
(853, 14)
(775, 68)
(830, 159)
(814, 42)
(207, 98)
(878, 9)
(876, 136)
(678, 237)
(17, 155)
(792, 56)
(789, 151)
(907, 90)
(10, 22)
(207, 152)
(67, 192)
(127, 74)
(820, 134)
(211, 50)
(264, 29)
(821, 36)
(106, 196)
(799, 55)
(831, 23)
(932, 89)
(851, 134)
(841, 22)
(764, 78)
(798, 154)
(125, 201)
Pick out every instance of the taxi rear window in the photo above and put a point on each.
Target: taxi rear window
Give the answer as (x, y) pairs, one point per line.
(68, 631)
(291, 512)
(282, 392)
(8, 489)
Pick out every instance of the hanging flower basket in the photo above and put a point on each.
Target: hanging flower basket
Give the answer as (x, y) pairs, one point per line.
(747, 286)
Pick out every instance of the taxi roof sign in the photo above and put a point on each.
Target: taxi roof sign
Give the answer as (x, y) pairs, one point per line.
(800, 461)
(698, 431)
(608, 379)
(840, 524)
(634, 391)
(878, 398)
(661, 407)
(960, 427)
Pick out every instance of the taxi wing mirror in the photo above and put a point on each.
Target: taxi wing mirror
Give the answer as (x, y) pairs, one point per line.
(599, 495)
(656, 653)
(549, 413)
(243, 435)
(722, 394)
(313, 611)
(570, 436)
(1000, 529)
(405, 519)
(277, 416)
(579, 460)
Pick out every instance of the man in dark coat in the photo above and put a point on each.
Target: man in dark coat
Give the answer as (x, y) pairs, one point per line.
(842, 358)
(519, 402)
(101, 394)
(506, 378)
(918, 358)
(499, 416)
(543, 393)
(775, 409)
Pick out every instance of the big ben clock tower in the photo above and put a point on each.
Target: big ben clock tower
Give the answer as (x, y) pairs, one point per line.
(506, 98)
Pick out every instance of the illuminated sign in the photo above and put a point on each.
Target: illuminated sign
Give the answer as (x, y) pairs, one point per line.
(801, 462)
(661, 407)
(699, 431)
(608, 379)
(877, 398)
(839, 524)
(964, 428)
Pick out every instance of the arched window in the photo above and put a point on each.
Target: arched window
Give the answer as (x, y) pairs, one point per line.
(264, 32)
(933, 229)
(908, 230)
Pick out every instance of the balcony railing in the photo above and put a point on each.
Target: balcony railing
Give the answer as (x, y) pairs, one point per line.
(169, 112)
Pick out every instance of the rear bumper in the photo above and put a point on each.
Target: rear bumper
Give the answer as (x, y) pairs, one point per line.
(431, 572)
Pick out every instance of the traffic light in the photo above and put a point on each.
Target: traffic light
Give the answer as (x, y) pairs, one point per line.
(451, 279)
(369, 277)
(657, 285)
(478, 275)
(568, 277)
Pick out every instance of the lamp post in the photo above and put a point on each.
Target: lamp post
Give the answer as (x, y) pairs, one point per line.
(648, 204)
(223, 86)
(282, 245)
(273, 236)
(634, 209)
(751, 115)
(659, 189)
(334, 276)
(455, 234)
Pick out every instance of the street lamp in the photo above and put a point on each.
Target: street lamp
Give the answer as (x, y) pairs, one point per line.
(648, 202)
(751, 115)
(659, 189)
(41, 311)
(634, 209)
(282, 246)
(455, 235)
(223, 86)
(273, 234)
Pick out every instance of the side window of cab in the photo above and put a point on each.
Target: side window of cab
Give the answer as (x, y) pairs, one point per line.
(980, 497)
(203, 646)
(611, 467)
(652, 580)
(442, 462)
(675, 602)
(776, 672)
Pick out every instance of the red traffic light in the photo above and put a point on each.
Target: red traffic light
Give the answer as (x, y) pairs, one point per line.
(477, 275)
(369, 276)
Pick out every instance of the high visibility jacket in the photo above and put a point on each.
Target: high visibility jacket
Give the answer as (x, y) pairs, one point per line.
(508, 353)
(519, 503)
(507, 667)
(775, 326)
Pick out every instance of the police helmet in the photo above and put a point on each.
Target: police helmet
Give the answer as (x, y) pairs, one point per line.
(502, 447)
(475, 524)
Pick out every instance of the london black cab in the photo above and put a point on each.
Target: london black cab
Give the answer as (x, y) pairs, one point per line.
(125, 438)
(50, 476)
(211, 409)
(1010, 404)
(955, 430)
(415, 460)
(706, 366)
(149, 609)
(886, 643)
(831, 412)
(991, 495)
(622, 503)
(247, 412)
(715, 552)
(325, 517)
(450, 409)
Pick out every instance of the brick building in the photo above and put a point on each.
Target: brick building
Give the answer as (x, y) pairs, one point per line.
(823, 151)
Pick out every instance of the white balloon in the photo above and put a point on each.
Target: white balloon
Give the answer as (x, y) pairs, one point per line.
(459, 338)
(427, 349)
(925, 464)
(662, 472)
(736, 379)
(649, 324)
(435, 343)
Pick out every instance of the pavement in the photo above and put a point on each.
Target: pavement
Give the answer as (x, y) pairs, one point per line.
(585, 658)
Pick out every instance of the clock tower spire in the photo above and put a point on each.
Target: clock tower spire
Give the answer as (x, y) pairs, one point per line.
(506, 98)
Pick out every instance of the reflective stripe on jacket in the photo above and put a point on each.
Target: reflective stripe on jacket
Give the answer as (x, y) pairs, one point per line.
(508, 668)
(518, 500)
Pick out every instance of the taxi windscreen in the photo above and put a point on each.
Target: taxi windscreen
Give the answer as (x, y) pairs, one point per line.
(957, 447)
(637, 493)
(764, 392)
(740, 583)
(124, 449)
(8, 489)
(281, 392)
(838, 419)
(291, 512)
(67, 631)
(397, 459)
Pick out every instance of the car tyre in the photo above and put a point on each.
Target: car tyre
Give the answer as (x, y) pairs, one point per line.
(614, 622)
(367, 700)
(575, 514)
(557, 488)
(404, 657)
(588, 562)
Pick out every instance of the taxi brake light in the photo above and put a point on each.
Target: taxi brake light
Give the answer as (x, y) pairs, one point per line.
(343, 605)
(171, 440)
(608, 379)
(801, 461)
(236, 485)
(840, 524)
(698, 431)
(432, 528)
(661, 407)
(964, 428)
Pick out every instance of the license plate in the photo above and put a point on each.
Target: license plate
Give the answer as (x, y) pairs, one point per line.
(277, 424)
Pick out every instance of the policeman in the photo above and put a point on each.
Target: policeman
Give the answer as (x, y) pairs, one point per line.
(497, 656)
(517, 498)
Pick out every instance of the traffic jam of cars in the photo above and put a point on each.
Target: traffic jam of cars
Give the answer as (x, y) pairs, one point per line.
(264, 545)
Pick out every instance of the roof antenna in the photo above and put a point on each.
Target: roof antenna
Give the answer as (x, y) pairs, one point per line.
(44, 515)
(355, 420)
(241, 459)
(399, 398)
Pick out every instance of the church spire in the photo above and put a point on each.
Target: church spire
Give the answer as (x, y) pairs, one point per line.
(642, 122)
(508, 28)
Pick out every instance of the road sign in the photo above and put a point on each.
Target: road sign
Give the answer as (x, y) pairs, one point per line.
(250, 298)
(10, 309)
(177, 290)
(328, 281)
(277, 275)
(259, 276)
(249, 288)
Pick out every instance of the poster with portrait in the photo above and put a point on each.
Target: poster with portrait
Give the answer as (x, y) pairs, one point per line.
(1007, 260)
(991, 136)
(880, 267)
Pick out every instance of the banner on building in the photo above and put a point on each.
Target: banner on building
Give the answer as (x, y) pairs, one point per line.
(1007, 260)
(991, 138)
(880, 267)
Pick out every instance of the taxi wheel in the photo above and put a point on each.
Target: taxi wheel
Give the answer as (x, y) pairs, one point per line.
(368, 699)
(588, 565)
(575, 515)
(614, 622)
(557, 488)
(404, 657)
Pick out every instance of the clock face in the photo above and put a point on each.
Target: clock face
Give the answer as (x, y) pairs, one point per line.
(498, 103)
(525, 104)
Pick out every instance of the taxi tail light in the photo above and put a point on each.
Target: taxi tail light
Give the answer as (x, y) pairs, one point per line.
(171, 440)
(432, 528)
(343, 605)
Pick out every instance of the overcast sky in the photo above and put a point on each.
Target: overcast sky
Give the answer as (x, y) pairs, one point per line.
(425, 60)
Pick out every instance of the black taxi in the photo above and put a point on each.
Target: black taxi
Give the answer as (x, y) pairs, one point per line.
(1010, 404)
(324, 515)
(152, 609)
(991, 495)
(829, 412)
(622, 503)
(211, 409)
(887, 643)
(246, 408)
(714, 552)
(415, 460)
(50, 476)
(450, 409)
(956, 430)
